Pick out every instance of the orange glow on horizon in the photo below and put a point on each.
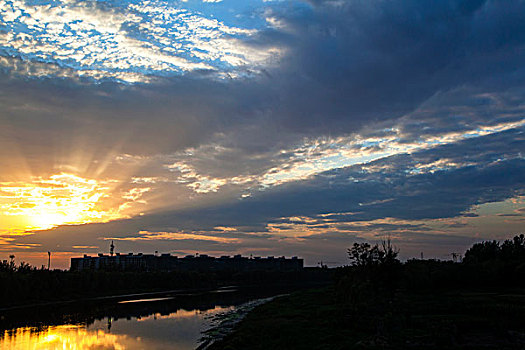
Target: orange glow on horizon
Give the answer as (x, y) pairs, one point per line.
(61, 199)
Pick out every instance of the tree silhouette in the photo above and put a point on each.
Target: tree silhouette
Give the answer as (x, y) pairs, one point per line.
(362, 254)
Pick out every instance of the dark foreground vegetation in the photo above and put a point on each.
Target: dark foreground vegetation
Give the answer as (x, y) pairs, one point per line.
(380, 303)
(25, 285)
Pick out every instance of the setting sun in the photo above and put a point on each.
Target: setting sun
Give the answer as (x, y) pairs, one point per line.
(61, 199)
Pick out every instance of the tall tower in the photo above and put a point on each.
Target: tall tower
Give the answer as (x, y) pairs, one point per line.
(111, 248)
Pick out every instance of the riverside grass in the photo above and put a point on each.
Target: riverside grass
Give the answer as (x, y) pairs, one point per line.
(314, 319)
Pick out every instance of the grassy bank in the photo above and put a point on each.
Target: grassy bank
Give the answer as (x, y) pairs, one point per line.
(303, 320)
(314, 319)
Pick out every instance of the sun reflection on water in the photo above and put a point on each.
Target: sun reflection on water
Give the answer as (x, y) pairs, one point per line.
(69, 337)
(178, 330)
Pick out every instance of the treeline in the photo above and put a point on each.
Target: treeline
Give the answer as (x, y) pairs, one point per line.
(433, 304)
(376, 279)
(485, 265)
(22, 284)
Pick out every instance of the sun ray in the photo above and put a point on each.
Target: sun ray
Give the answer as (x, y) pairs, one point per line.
(61, 199)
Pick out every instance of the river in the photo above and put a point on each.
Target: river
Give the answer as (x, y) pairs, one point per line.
(174, 320)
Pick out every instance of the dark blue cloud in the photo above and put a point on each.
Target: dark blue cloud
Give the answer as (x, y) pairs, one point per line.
(355, 61)
(489, 169)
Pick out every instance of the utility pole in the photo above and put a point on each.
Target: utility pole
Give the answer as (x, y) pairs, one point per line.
(48, 260)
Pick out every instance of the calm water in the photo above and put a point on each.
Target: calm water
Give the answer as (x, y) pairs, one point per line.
(179, 330)
(169, 322)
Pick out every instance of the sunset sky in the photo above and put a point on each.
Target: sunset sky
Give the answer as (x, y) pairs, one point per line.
(261, 127)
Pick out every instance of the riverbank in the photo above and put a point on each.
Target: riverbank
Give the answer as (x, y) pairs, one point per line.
(224, 323)
(29, 287)
(117, 297)
(314, 319)
(379, 302)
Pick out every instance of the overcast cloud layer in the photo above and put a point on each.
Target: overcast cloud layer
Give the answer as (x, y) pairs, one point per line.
(274, 128)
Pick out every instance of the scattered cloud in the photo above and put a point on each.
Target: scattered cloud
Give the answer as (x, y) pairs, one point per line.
(129, 42)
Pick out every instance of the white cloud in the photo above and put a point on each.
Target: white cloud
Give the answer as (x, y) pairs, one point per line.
(125, 41)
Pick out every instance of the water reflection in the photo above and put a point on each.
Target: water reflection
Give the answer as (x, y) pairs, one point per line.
(143, 300)
(63, 337)
(178, 330)
(168, 322)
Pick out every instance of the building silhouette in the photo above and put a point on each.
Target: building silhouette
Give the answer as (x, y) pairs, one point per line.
(168, 262)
